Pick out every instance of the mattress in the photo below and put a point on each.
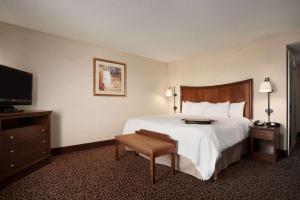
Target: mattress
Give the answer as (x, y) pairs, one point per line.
(202, 145)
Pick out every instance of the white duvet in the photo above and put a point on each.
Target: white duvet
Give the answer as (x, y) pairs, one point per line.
(202, 144)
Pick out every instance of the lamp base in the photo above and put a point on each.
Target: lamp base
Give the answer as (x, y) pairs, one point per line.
(269, 111)
(175, 108)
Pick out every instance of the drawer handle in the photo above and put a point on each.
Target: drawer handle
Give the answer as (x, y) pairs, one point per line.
(11, 137)
(12, 165)
(44, 152)
(12, 151)
(43, 130)
(43, 141)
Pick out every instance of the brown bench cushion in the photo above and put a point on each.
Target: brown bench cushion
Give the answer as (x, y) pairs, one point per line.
(144, 144)
(151, 144)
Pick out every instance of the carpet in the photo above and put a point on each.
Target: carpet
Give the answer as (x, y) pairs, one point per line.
(94, 174)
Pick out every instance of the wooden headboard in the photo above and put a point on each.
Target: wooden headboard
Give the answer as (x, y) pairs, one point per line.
(233, 92)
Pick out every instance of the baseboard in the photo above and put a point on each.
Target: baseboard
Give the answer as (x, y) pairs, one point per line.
(81, 147)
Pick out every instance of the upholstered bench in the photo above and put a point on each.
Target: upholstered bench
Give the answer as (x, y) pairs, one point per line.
(150, 144)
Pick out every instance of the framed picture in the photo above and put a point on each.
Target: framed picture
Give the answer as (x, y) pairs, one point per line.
(109, 78)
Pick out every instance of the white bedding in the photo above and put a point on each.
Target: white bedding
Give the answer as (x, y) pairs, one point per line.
(202, 144)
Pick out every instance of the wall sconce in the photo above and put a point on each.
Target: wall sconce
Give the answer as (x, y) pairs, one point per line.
(266, 87)
(171, 92)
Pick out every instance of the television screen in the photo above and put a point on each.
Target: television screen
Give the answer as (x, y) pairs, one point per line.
(15, 86)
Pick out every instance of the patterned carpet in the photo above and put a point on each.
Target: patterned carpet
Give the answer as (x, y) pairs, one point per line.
(94, 174)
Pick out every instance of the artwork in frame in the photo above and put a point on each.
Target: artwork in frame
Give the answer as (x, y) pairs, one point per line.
(109, 78)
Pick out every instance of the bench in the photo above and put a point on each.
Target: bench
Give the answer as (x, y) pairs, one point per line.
(150, 144)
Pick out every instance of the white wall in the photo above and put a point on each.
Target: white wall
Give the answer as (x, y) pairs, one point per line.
(63, 82)
(257, 60)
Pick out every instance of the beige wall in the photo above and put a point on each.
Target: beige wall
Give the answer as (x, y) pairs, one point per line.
(63, 82)
(257, 60)
(63, 76)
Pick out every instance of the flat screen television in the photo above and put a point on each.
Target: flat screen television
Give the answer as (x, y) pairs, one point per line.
(15, 87)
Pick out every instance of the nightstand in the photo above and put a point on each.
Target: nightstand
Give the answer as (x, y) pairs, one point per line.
(268, 135)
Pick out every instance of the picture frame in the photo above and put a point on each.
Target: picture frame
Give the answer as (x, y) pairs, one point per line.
(109, 78)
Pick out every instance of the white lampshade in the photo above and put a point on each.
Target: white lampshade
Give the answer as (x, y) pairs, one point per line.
(265, 86)
(169, 92)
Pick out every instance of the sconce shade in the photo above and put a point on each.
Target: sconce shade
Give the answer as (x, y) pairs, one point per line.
(265, 86)
(169, 92)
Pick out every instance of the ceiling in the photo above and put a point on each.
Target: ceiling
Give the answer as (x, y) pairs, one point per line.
(165, 30)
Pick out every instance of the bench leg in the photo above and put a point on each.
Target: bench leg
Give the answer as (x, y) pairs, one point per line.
(152, 169)
(215, 176)
(173, 163)
(117, 149)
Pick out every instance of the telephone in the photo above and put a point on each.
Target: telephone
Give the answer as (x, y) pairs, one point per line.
(259, 123)
(273, 124)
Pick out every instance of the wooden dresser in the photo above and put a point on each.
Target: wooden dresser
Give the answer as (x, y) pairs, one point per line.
(24, 143)
(270, 136)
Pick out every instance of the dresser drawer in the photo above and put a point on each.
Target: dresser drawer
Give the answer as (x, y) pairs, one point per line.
(17, 135)
(262, 134)
(13, 165)
(19, 151)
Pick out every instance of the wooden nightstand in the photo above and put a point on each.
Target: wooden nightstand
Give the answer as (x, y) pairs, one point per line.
(270, 135)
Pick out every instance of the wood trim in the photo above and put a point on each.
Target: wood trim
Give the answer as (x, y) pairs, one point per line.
(156, 135)
(266, 128)
(24, 114)
(233, 92)
(94, 80)
(81, 147)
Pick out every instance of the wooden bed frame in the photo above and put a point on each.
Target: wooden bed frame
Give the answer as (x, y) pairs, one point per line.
(233, 92)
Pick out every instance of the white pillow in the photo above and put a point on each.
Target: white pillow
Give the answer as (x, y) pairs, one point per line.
(216, 110)
(192, 108)
(236, 110)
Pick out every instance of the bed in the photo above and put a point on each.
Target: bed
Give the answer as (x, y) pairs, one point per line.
(204, 150)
